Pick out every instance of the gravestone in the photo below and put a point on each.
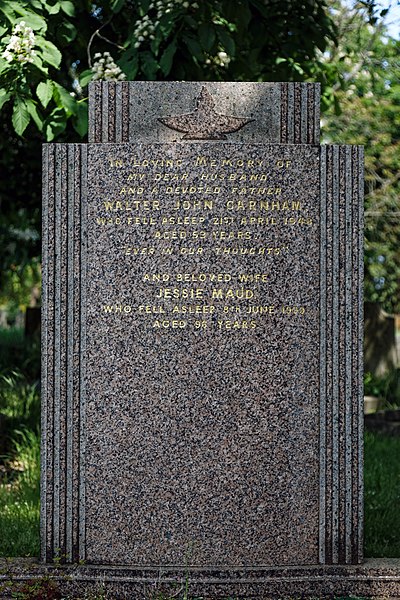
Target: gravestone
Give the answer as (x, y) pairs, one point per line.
(202, 333)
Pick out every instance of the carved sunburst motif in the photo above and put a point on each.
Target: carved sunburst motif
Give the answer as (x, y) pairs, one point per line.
(204, 123)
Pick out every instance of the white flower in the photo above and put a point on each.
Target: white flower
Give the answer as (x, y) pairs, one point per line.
(20, 45)
(105, 69)
(7, 55)
(223, 59)
(19, 27)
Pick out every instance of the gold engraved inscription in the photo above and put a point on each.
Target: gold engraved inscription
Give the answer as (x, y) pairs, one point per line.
(228, 211)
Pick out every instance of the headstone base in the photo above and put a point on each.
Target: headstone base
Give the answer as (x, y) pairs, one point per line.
(376, 578)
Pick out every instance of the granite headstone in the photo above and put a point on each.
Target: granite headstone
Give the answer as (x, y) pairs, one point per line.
(202, 332)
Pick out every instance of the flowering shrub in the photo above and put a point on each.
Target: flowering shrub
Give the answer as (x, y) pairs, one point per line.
(29, 64)
(20, 46)
(104, 68)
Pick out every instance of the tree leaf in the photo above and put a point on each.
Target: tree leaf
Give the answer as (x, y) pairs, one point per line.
(36, 22)
(80, 121)
(148, 65)
(4, 97)
(116, 5)
(264, 9)
(166, 25)
(66, 32)
(144, 7)
(8, 12)
(37, 61)
(20, 116)
(31, 106)
(207, 36)
(190, 21)
(53, 9)
(64, 100)
(155, 43)
(129, 63)
(68, 8)
(50, 53)
(167, 57)
(85, 77)
(55, 124)
(227, 41)
(337, 107)
(239, 13)
(44, 92)
(194, 47)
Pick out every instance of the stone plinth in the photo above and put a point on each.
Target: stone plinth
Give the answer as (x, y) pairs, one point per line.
(377, 578)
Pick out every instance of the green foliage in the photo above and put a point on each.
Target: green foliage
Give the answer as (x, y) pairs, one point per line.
(386, 387)
(208, 40)
(373, 385)
(382, 496)
(367, 112)
(32, 64)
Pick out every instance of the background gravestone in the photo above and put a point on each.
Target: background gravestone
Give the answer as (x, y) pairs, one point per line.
(202, 371)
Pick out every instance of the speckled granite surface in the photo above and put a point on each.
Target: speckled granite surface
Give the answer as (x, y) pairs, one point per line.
(196, 444)
(202, 344)
(377, 578)
(282, 113)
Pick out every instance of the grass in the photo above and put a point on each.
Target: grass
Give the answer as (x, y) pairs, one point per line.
(19, 399)
(19, 444)
(19, 497)
(382, 496)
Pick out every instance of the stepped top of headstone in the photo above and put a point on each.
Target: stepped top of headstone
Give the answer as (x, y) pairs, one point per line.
(244, 112)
